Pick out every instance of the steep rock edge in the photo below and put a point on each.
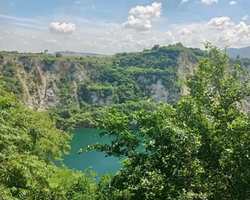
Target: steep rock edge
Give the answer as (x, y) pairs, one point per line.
(39, 82)
(41, 92)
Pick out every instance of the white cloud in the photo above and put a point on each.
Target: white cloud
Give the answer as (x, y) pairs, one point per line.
(65, 28)
(127, 38)
(208, 2)
(109, 38)
(90, 44)
(112, 32)
(50, 41)
(246, 17)
(185, 31)
(220, 22)
(220, 30)
(184, 1)
(147, 12)
(138, 24)
(142, 17)
(232, 2)
(169, 37)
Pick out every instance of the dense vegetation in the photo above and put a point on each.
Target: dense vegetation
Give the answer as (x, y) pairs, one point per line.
(29, 145)
(119, 78)
(12, 84)
(196, 149)
(124, 79)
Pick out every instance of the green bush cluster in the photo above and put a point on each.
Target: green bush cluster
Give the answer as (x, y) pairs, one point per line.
(29, 146)
(10, 80)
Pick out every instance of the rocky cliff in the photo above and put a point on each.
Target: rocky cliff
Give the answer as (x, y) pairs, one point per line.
(40, 81)
(43, 82)
(73, 88)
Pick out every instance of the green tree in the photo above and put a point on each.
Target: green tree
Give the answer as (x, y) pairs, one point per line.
(29, 145)
(198, 149)
(179, 44)
(58, 55)
(155, 47)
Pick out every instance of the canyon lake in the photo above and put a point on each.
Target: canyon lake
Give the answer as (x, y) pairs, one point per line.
(94, 159)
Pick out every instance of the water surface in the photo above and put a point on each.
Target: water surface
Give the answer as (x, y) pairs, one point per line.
(98, 161)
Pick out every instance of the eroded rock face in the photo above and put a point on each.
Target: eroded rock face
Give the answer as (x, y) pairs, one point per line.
(39, 81)
(41, 91)
(160, 93)
(157, 91)
(42, 82)
(94, 96)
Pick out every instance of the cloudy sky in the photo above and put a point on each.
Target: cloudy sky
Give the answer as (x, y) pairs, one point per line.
(110, 26)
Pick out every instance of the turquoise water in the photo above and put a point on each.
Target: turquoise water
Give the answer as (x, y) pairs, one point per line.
(98, 161)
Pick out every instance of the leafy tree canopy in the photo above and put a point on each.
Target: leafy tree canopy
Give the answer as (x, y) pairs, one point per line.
(198, 149)
(29, 145)
(58, 55)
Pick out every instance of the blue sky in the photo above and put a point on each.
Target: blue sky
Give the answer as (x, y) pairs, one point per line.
(109, 26)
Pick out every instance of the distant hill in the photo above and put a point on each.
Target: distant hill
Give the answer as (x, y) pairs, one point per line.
(242, 52)
(74, 88)
(79, 54)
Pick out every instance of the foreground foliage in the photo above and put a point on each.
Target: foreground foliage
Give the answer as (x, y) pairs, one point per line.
(198, 149)
(29, 145)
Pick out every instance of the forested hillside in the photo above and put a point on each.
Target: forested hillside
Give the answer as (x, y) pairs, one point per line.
(74, 89)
